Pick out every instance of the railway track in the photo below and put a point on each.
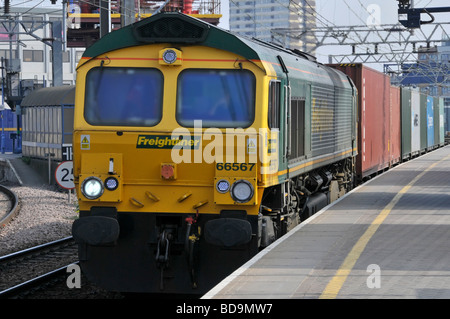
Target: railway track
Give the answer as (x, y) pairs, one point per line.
(29, 269)
(9, 205)
(33, 267)
(40, 271)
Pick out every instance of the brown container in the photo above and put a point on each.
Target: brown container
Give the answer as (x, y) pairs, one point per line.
(374, 118)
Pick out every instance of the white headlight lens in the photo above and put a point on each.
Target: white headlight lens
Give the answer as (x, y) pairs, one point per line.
(111, 183)
(242, 191)
(223, 186)
(169, 56)
(92, 187)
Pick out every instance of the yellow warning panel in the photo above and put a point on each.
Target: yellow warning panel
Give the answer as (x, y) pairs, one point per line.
(252, 146)
(85, 142)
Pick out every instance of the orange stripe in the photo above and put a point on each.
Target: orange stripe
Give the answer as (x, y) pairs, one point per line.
(160, 59)
(107, 58)
(215, 60)
(205, 60)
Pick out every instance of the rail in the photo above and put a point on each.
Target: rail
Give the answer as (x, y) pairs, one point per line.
(9, 263)
(14, 206)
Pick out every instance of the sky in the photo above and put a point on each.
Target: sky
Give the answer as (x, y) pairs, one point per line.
(352, 12)
(355, 12)
(339, 12)
(329, 12)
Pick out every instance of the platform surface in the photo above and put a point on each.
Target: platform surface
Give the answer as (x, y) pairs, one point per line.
(21, 172)
(388, 238)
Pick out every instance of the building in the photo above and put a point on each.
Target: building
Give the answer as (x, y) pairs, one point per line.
(32, 57)
(26, 52)
(85, 15)
(256, 18)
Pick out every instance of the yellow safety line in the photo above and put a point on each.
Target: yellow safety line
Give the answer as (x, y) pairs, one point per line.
(336, 283)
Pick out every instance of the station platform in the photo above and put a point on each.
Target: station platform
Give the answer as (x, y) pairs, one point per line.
(388, 238)
(15, 170)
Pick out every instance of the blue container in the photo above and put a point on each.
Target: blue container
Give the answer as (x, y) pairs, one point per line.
(430, 122)
(8, 131)
(446, 115)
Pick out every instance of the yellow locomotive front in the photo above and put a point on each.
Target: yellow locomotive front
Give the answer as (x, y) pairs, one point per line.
(167, 165)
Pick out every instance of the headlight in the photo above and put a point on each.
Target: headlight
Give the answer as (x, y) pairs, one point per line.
(169, 56)
(223, 186)
(111, 183)
(92, 187)
(241, 191)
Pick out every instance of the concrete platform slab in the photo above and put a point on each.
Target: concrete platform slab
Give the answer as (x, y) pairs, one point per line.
(389, 238)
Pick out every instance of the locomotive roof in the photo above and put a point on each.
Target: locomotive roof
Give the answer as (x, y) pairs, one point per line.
(179, 28)
(176, 28)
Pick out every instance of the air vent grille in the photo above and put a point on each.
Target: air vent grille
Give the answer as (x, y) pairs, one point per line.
(171, 29)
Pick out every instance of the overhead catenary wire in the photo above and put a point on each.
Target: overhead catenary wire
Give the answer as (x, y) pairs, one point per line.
(326, 23)
(19, 14)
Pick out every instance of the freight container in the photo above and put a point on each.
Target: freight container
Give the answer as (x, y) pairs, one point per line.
(436, 116)
(406, 122)
(423, 123)
(441, 122)
(430, 123)
(447, 116)
(415, 122)
(374, 117)
(395, 140)
(439, 132)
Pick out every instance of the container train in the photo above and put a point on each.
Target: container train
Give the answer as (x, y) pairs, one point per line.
(194, 148)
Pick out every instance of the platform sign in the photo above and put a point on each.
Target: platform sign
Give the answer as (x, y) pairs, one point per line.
(67, 154)
(64, 175)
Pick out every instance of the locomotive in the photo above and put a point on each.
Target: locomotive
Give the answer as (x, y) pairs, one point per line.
(195, 148)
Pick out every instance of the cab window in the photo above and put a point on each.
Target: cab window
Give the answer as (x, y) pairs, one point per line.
(219, 98)
(123, 96)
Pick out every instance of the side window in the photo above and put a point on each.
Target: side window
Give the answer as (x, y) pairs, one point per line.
(297, 127)
(274, 104)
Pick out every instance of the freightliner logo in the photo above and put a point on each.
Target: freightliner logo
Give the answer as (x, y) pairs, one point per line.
(167, 142)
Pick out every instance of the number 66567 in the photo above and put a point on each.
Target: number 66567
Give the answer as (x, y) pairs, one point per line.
(235, 166)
